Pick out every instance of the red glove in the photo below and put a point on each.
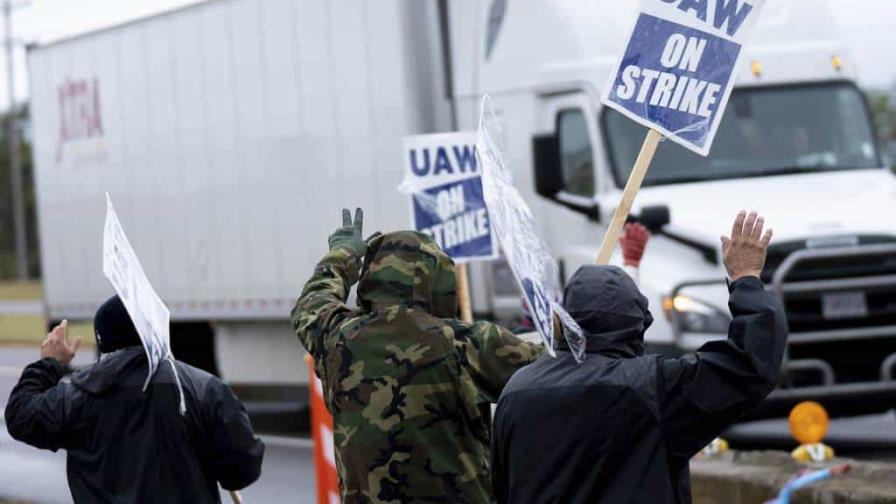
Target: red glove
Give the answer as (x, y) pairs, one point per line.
(633, 242)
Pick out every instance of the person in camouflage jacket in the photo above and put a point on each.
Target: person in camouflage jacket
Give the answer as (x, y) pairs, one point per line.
(401, 375)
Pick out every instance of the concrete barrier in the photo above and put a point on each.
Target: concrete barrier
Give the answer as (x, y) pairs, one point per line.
(755, 477)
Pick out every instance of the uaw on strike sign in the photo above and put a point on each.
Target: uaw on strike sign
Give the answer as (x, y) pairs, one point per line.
(679, 66)
(443, 178)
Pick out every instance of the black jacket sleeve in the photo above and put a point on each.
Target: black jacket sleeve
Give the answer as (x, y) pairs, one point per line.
(498, 461)
(36, 411)
(702, 394)
(237, 453)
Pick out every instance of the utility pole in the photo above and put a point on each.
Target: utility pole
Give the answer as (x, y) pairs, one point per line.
(15, 163)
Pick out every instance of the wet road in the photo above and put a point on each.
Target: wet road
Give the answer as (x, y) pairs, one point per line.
(39, 476)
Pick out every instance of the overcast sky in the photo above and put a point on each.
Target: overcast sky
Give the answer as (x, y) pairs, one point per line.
(867, 26)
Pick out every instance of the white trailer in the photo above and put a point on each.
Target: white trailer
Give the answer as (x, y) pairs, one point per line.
(230, 134)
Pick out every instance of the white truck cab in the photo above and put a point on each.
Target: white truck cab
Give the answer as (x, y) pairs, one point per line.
(796, 143)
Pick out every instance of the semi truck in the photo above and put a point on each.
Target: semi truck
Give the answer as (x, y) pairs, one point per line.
(230, 134)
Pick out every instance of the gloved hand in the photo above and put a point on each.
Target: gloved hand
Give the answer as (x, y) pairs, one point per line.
(633, 243)
(349, 235)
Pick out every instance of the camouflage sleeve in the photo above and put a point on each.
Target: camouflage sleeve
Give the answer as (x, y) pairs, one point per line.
(322, 303)
(494, 354)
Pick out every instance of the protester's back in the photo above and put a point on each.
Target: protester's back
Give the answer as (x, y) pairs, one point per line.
(622, 426)
(128, 445)
(401, 375)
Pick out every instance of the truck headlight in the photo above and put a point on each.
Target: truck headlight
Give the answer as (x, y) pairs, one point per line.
(693, 315)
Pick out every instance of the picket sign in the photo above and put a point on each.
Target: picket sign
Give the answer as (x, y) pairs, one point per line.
(322, 436)
(444, 181)
(146, 309)
(236, 497)
(535, 270)
(675, 77)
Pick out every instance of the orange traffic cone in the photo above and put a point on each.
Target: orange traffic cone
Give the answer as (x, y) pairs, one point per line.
(322, 436)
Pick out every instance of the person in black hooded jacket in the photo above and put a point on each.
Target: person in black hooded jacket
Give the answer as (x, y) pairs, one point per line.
(125, 445)
(622, 426)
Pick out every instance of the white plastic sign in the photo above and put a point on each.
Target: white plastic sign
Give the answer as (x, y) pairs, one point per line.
(443, 178)
(147, 311)
(527, 255)
(678, 68)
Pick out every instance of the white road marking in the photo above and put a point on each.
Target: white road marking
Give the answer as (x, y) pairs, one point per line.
(21, 307)
(288, 442)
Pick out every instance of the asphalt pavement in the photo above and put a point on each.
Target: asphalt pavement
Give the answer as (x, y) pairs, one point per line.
(38, 476)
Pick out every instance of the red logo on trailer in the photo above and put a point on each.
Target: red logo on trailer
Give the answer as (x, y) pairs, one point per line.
(79, 112)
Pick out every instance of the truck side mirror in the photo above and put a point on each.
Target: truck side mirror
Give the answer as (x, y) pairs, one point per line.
(654, 217)
(548, 172)
(549, 177)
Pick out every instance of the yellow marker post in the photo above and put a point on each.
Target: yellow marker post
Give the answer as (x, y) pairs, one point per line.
(809, 424)
(715, 447)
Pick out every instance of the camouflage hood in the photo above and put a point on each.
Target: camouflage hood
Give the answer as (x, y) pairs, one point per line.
(408, 268)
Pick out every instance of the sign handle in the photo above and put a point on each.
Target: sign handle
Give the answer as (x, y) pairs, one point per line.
(463, 293)
(236, 497)
(648, 149)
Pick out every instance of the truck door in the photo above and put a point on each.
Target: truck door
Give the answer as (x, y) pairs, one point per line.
(569, 176)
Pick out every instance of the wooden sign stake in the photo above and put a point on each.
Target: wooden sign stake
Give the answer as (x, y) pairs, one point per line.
(463, 293)
(648, 149)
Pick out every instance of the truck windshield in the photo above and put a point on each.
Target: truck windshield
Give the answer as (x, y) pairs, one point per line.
(765, 131)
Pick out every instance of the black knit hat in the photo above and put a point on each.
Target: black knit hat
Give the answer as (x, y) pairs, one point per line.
(113, 327)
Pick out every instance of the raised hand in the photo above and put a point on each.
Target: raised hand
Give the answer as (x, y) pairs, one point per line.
(57, 346)
(349, 235)
(745, 251)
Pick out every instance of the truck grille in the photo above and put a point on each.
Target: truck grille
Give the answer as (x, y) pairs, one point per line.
(840, 302)
(853, 361)
(830, 267)
(805, 311)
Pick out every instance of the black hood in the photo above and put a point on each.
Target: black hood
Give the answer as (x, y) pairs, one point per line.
(610, 309)
(406, 267)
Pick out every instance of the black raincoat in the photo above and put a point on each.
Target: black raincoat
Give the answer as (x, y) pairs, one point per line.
(129, 446)
(622, 426)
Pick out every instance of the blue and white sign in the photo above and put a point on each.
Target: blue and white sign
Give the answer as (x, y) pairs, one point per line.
(443, 177)
(540, 309)
(679, 66)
